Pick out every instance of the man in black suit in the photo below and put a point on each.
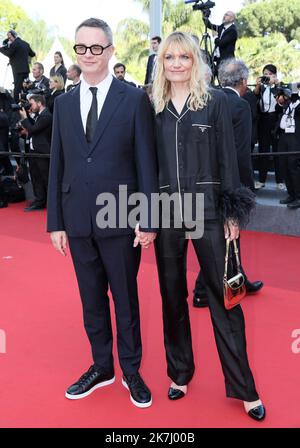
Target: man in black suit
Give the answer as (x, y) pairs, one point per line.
(39, 132)
(233, 76)
(104, 147)
(5, 164)
(40, 82)
(18, 51)
(120, 71)
(155, 42)
(73, 74)
(227, 37)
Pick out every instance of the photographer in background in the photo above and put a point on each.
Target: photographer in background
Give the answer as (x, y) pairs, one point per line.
(41, 82)
(289, 141)
(18, 51)
(5, 113)
(227, 37)
(39, 132)
(266, 91)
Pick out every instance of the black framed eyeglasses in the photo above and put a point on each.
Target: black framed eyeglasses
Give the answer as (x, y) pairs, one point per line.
(96, 50)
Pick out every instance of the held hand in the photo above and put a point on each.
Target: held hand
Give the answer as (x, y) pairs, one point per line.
(143, 238)
(231, 230)
(146, 239)
(60, 242)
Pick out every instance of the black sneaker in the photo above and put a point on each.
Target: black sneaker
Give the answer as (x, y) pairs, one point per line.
(140, 395)
(88, 382)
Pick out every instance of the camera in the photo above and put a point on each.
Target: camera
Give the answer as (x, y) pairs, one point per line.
(265, 79)
(23, 104)
(27, 83)
(205, 7)
(290, 92)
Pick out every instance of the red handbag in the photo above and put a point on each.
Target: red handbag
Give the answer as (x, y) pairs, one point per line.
(234, 287)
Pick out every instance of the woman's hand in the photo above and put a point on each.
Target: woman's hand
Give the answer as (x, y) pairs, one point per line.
(231, 230)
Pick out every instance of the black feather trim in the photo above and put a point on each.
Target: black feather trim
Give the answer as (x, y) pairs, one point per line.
(237, 205)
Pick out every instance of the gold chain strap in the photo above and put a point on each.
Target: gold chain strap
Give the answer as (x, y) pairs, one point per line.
(236, 251)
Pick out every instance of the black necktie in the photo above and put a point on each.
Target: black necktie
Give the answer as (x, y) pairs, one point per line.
(92, 118)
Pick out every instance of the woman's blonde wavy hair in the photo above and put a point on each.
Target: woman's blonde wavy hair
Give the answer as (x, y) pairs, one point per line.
(198, 86)
(60, 85)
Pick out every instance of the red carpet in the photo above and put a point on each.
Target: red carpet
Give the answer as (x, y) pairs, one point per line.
(46, 347)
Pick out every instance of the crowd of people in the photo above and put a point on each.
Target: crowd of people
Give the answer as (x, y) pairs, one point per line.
(180, 136)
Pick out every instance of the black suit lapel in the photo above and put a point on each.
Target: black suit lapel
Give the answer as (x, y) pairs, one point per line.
(76, 117)
(114, 96)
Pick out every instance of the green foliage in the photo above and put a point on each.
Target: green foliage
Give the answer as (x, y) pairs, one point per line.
(133, 36)
(270, 16)
(256, 52)
(132, 44)
(35, 32)
(68, 46)
(268, 30)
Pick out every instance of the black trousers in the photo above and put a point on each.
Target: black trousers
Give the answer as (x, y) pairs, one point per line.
(18, 84)
(39, 173)
(229, 327)
(266, 139)
(101, 263)
(291, 164)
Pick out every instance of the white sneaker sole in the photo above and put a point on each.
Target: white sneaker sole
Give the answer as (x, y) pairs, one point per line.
(89, 392)
(136, 403)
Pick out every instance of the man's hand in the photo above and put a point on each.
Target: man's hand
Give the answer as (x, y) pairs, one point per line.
(280, 100)
(143, 238)
(231, 230)
(23, 114)
(60, 242)
(274, 80)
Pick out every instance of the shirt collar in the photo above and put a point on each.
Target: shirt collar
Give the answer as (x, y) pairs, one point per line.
(103, 86)
(228, 25)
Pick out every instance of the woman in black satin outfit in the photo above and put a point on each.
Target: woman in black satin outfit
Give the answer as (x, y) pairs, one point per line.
(196, 154)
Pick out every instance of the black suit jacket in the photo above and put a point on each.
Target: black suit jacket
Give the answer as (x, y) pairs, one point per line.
(61, 71)
(227, 43)
(121, 156)
(18, 53)
(51, 99)
(149, 70)
(4, 127)
(242, 129)
(40, 131)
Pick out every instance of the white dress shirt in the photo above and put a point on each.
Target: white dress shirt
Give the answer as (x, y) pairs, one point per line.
(86, 97)
(268, 101)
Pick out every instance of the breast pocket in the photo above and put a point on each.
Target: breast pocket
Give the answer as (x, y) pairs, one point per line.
(200, 131)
